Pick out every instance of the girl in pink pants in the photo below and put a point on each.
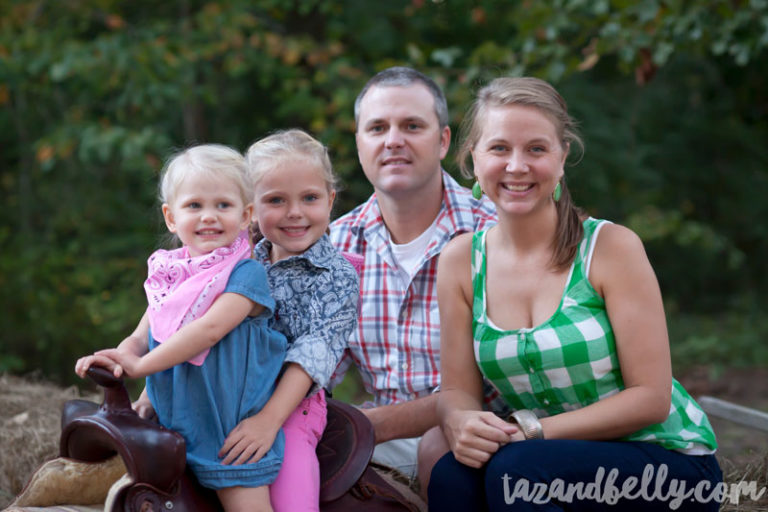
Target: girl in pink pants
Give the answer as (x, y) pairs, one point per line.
(316, 293)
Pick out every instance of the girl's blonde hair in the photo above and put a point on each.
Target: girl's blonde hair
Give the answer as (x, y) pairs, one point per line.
(293, 144)
(286, 145)
(536, 93)
(212, 160)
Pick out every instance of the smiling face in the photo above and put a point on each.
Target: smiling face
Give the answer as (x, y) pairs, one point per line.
(518, 158)
(399, 140)
(292, 206)
(206, 213)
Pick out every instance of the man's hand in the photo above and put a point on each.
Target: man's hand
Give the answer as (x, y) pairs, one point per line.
(373, 414)
(249, 441)
(403, 420)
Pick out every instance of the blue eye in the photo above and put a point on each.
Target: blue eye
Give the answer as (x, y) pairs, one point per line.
(193, 205)
(223, 205)
(311, 197)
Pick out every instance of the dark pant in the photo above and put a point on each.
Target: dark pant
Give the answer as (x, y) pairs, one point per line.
(535, 475)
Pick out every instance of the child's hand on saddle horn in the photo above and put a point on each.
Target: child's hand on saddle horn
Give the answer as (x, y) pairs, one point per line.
(97, 359)
(128, 362)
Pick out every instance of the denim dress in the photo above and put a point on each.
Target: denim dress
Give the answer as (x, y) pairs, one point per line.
(205, 403)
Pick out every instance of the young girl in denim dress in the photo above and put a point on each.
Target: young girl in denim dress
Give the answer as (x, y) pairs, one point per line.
(205, 344)
(316, 291)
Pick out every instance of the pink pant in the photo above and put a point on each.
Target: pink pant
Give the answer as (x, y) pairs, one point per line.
(297, 487)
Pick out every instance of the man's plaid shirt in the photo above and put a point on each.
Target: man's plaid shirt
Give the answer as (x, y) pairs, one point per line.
(396, 344)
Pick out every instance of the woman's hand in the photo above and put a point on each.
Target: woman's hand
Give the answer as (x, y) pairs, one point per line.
(250, 440)
(476, 435)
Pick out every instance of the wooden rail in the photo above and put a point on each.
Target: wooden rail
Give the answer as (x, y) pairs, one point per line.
(746, 416)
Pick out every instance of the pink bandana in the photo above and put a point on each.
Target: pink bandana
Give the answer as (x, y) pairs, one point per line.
(180, 288)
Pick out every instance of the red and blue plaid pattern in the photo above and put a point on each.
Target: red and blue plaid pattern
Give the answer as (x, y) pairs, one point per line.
(396, 344)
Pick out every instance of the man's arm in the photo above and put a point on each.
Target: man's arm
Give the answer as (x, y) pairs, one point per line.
(404, 420)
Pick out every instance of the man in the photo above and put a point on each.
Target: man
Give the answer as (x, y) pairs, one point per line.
(402, 134)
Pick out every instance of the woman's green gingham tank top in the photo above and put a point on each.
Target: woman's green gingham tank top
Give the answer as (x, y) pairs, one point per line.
(570, 361)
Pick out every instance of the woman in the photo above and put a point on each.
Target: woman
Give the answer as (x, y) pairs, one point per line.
(569, 326)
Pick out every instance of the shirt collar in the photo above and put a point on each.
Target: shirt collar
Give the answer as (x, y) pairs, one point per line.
(320, 254)
(455, 214)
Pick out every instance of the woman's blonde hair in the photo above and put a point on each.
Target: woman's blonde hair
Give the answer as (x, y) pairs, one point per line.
(212, 160)
(536, 93)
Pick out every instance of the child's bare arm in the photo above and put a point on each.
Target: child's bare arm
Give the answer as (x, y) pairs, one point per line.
(136, 343)
(224, 315)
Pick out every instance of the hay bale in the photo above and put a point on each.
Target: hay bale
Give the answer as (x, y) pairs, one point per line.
(30, 415)
(64, 481)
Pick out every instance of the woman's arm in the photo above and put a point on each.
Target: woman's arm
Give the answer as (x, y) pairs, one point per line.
(225, 314)
(622, 275)
(472, 434)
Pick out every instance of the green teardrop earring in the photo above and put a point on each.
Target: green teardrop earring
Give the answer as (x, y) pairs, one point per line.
(557, 192)
(477, 192)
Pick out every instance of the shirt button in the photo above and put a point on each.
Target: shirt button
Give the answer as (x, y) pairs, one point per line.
(531, 370)
(404, 366)
(546, 402)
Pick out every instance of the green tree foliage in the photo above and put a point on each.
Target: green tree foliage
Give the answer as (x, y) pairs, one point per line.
(96, 94)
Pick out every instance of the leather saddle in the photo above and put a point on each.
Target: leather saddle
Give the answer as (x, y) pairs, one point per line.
(155, 457)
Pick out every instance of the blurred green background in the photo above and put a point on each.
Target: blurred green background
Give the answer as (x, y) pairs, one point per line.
(95, 94)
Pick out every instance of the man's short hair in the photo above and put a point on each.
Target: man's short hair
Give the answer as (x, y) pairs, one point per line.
(401, 76)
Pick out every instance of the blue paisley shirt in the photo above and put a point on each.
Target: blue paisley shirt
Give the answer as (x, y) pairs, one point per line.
(316, 295)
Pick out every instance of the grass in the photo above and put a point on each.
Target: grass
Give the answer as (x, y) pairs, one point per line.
(727, 344)
(757, 473)
(730, 339)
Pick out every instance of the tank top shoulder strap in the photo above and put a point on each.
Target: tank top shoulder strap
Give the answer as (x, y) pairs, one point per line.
(478, 274)
(586, 250)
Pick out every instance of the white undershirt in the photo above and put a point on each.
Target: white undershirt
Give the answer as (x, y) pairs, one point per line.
(409, 255)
